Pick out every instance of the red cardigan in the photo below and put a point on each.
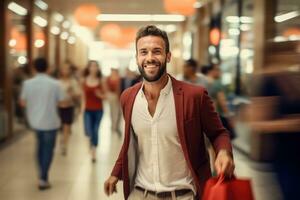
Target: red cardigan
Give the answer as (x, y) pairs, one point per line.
(195, 115)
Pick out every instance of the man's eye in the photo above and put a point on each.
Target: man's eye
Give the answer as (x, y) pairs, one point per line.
(157, 52)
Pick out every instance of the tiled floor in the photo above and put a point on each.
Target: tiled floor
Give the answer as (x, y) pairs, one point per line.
(74, 177)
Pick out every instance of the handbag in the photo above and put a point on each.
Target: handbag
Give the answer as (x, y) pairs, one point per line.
(220, 188)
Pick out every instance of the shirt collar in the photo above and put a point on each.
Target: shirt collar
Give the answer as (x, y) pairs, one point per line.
(41, 74)
(166, 90)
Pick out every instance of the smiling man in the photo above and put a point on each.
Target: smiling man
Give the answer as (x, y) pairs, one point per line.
(163, 155)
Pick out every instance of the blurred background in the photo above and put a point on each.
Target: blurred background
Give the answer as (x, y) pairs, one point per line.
(255, 43)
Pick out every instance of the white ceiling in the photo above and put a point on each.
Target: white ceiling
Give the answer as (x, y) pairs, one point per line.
(67, 8)
(111, 6)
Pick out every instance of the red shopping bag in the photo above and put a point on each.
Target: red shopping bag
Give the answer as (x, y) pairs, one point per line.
(222, 189)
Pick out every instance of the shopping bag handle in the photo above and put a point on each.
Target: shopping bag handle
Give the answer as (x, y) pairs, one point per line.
(221, 178)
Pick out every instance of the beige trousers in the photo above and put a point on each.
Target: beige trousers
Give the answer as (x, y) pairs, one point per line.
(115, 111)
(139, 195)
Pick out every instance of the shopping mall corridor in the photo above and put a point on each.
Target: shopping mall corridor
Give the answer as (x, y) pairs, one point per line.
(75, 177)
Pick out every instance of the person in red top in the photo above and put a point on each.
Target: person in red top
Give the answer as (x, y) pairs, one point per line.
(93, 108)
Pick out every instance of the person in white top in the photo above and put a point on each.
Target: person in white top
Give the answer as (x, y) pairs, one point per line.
(41, 95)
(66, 110)
(163, 155)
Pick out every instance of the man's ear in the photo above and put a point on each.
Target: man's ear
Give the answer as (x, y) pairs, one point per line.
(169, 57)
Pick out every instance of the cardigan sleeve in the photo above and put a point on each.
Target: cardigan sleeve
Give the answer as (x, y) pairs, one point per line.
(117, 170)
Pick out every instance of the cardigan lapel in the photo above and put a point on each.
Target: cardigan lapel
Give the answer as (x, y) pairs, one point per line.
(179, 107)
(127, 109)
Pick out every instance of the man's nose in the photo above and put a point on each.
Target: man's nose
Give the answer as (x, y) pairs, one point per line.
(149, 56)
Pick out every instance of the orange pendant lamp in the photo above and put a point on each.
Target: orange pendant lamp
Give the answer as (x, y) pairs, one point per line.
(292, 31)
(129, 34)
(20, 39)
(86, 15)
(40, 35)
(183, 7)
(215, 36)
(117, 36)
(111, 33)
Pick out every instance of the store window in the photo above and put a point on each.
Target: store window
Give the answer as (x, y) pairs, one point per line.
(287, 20)
(17, 56)
(229, 43)
(236, 44)
(39, 30)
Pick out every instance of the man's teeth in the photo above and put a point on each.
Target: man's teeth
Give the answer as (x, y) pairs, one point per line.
(151, 66)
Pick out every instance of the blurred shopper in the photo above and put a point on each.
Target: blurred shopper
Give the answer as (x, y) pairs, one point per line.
(217, 93)
(190, 73)
(93, 107)
(163, 155)
(41, 95)
(130, 79)
(66, 110)
(19, 76)
(113, 83)
(276, 116)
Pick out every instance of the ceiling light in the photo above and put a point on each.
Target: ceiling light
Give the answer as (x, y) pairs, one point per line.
(41, 4)
(232, 19)
(39, 43)
(71, 40)
(12, 42)
(197, 4)
(286, 16)
(16, 8)
(280, 39)
(66, 24)
(237, 19)
(64, 35)
(245, 27)
(55, 30)
(58, 17)
(170, 28)
(246, 20)
(233, 31)
(40, 21)
(22, 60)
(140, 17)
(168, 18)
(123, 17)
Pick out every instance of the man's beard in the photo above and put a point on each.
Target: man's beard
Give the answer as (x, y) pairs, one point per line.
(161, 70)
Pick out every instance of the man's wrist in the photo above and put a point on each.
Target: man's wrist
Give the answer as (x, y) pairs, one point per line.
(224, 152)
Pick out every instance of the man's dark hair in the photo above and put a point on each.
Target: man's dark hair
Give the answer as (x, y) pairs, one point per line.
(152, 30)
(41, 65)
(205, 69)
(191, 63)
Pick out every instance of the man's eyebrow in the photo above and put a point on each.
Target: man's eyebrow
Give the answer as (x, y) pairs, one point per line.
(142, 49)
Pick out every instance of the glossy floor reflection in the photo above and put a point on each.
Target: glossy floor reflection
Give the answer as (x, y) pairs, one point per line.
(75, 177)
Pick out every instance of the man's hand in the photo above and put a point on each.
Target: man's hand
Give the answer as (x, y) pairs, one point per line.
(224, 163)
(110, 185)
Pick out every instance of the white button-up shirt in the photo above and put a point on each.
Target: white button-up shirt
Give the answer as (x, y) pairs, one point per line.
(161, 165)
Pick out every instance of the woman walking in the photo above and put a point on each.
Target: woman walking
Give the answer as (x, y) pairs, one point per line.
(92, 101)
(66, 109)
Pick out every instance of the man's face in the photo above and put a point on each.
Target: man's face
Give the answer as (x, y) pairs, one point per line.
(216, 72)
(152, 58)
